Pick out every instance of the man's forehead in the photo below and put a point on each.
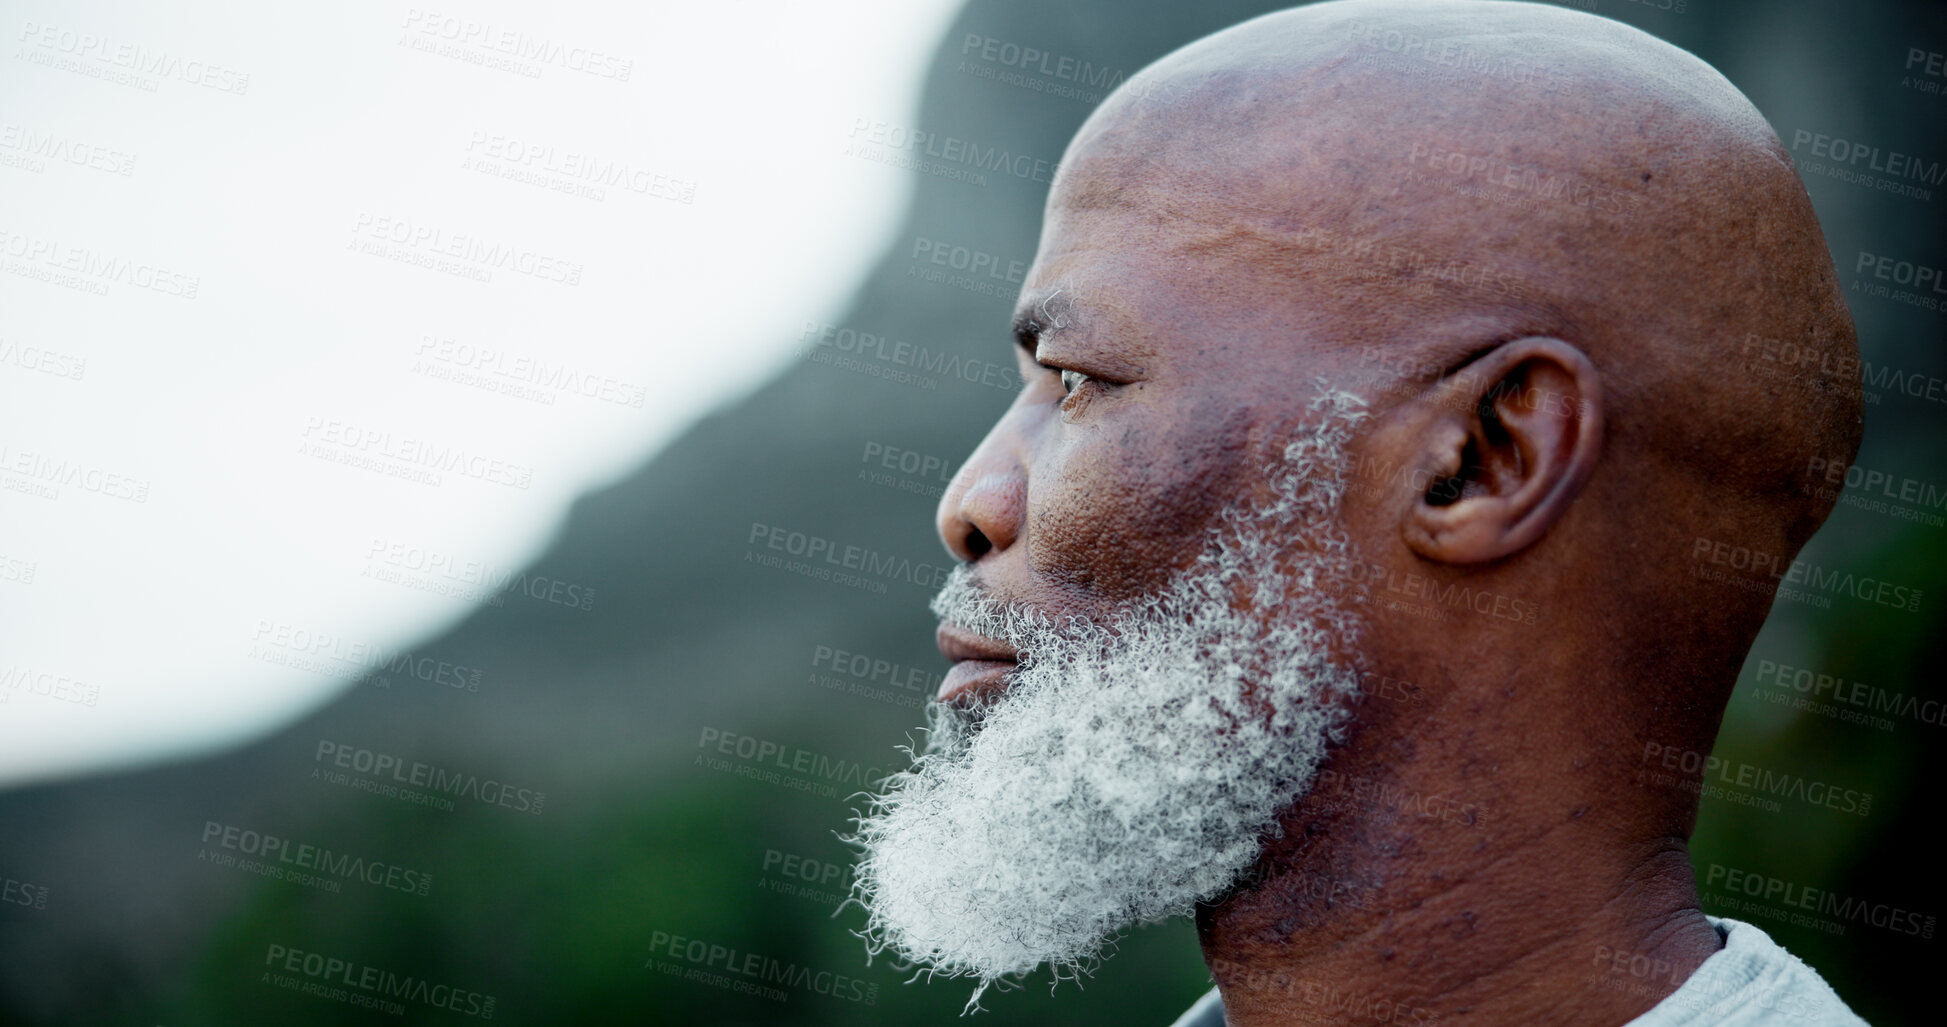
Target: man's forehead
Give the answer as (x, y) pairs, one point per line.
(1150, 249)
(1118, 210)
(1115, 288)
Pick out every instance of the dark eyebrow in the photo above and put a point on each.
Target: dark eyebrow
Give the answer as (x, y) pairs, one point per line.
(1027, 331)
(1028, 325)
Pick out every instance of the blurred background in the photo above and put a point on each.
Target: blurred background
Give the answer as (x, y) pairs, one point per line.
(411, 425)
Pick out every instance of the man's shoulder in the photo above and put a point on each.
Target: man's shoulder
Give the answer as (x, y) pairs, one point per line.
(1751, 982)
(1208, 1012)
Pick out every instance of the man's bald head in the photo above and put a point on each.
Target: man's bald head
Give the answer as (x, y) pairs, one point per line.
(1418, 181)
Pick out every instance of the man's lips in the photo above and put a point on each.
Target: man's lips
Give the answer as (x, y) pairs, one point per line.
(980, 664)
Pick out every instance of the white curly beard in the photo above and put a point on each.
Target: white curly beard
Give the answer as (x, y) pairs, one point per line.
(1129, 770)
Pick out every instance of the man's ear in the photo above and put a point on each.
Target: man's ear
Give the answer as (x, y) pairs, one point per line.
(1516, 435)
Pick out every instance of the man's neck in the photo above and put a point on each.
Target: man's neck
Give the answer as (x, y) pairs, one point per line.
(1384, 903)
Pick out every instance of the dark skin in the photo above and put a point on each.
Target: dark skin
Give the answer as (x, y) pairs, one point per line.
(1538, 284)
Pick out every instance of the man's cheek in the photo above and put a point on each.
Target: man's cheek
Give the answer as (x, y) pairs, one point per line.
(1098, 551)
(1117, 521)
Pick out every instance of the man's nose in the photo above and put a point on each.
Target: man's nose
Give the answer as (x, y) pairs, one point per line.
(984, 506)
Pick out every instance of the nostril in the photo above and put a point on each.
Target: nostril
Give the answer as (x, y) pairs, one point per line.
(986, 515)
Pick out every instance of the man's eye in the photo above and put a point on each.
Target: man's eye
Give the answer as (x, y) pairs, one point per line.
(1071, 380)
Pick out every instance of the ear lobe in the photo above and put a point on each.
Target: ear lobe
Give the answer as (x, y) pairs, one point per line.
(1511, 440)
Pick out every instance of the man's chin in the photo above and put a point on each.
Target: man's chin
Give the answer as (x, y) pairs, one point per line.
(1040, 825)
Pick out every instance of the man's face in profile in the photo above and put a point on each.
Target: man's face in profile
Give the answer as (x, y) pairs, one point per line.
(1147, 632)
(1154, 628)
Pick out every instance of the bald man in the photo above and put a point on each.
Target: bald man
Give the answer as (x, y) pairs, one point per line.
(1347, 569)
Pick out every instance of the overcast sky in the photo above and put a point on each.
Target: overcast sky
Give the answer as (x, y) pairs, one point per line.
(306, 310)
